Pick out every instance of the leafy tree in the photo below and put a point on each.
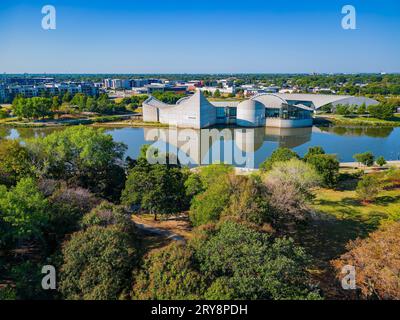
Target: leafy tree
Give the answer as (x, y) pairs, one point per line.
(366, 158)
(217, 93)
(107, 214)
(36, 107)
(79, 100)
(376, 262)
(380, 161)
(68, 206)
(155, 188)
(193, 185)
(82, 155)
(14, 162)
(251, 265)
(23, 212)
(327, 167)
(168, 97)
(55, 103)
(362, 109)
(342, 110)
(280, 154)
(312, 151)
(66, 97)
(248, 200)
(97, 264)
(381, 111)
(290, 186)
(368, 188)
(168, 274)
(208, 206)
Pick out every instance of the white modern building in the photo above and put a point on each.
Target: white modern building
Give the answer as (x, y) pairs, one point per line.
(266, 109)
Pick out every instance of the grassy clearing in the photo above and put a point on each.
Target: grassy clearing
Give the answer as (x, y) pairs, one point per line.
(339, 216)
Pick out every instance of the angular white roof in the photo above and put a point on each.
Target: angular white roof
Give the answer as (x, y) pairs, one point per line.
(320, 100)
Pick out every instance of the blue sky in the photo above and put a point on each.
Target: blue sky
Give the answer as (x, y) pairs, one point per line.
(219, 36)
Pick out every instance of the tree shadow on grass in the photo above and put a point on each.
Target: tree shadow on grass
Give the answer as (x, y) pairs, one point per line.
(386, 200)
(325, 237)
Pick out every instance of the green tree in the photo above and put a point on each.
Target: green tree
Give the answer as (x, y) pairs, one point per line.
(249, 200)
(23, 212)
(14, 162)
(327, 166)
(82, 155)
(312, 151)
(380, 161)
(97, 264)
(362, 109)
(251, 265)
(208, 206)
(368, 188)
(381, 111)
(168, 274)
(279, 155)
(155, 188)
(366, 158)
(217, 93)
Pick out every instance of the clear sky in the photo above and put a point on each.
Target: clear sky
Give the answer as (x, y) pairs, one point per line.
(219, 36)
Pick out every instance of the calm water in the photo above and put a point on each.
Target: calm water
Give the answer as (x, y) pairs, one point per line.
(246, 147)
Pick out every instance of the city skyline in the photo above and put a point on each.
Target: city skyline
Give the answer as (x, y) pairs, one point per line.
(218, 37)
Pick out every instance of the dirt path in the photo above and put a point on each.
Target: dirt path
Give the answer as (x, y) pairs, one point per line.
(177, 229)
(160, 232)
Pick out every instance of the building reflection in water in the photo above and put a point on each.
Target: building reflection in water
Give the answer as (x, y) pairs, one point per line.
(236, 146)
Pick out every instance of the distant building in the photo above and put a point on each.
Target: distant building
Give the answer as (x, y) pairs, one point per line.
(270, 110)
(156, 87)
(197, 112)
(8, 93)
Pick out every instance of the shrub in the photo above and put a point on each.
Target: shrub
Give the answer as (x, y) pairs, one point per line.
(380, 161)
(107, 214)
(279, 155)
(97, 264)
(248, 200)
(24, 212)
(312, 151)
(376, 262)
(208, 206)
(290, 186)
(327, 166)
(168, 274)
(366, 158)
(368, 188)
(245, 264)
(14, 162)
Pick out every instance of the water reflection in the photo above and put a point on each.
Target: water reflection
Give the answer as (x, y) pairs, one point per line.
(235, 146)
(239, 145)
(374, 132)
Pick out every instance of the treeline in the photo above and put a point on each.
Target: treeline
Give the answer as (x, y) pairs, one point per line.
(384, 110)
(41, 107)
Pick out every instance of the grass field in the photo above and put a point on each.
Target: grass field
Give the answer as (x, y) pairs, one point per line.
(340, 216)
(357, 121)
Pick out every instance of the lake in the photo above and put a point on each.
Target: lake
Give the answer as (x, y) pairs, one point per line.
(245, 147)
